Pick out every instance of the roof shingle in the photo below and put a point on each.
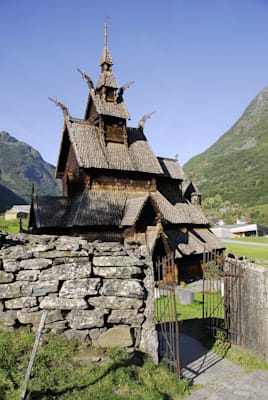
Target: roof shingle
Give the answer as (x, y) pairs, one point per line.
(92, 152)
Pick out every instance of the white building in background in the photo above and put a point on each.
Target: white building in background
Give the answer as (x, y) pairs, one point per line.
(240, 230)
(17, 211)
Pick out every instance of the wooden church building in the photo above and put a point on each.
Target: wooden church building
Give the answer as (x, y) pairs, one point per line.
(116, 189)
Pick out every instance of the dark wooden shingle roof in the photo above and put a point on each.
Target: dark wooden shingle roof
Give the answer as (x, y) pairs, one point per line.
(91, 151)
(192, 241)
(180, 212)
(109, 108)
(117, 208)
(171, 168)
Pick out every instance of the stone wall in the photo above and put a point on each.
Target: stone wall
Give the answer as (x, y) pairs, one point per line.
(254, 305)
(94, 291)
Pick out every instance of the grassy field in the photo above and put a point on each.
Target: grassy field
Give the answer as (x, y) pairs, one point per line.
(248, 250)
(66, 370)
(251, 239)
(12, 226)
(186, 311)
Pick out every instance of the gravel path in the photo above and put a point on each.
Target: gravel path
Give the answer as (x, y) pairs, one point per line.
(222, 379)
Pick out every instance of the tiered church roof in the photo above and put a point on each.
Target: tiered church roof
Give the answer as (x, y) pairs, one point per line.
(113, 183)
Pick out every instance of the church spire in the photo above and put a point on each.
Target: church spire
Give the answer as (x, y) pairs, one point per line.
(106, 78)
(106, 57)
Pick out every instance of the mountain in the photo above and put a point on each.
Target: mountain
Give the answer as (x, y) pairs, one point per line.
(234, 170)
(8, 198)
(20, 167)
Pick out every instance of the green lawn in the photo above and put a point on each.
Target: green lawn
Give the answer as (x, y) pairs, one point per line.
(12, 226)
(251, 239)
(185, 311)
(247, 250)
(66, 370)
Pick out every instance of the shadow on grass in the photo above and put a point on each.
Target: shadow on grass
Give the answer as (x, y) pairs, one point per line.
(136, 359)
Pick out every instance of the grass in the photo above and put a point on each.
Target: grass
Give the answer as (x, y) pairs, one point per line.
(246, 360)
(251, 239)
(184, 311)
(249, 251)
(65, 370)
(12, 226)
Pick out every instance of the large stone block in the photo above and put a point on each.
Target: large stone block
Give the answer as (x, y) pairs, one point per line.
(54, 316)
(14, 290)
(114, 302)
(6, 277)
(44, 247)
(19, 252)
(129, 317)
(28, 275)
(79, 288)
(61, 303)
(118, 272)
(64, 243)
(116, 261)
(80, 335)
(26, 317)
(109, 248)
(79, 268)
(8, 318)
(149, 340)
(35, 263)
(45, 287)
(115, 337)
(254, 309)
(122, 288)
(58, 254)
(95, 333)
(22, 302)
(56, 327)
(11, 265)
(85, 319)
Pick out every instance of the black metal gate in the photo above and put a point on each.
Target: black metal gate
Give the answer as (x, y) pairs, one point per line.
(222, 278)
(166, 311)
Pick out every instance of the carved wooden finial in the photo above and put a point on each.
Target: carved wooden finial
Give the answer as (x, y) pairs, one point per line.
(127, 85)
(61, 105)
(87, 78)
(144, 119)
(122, 89)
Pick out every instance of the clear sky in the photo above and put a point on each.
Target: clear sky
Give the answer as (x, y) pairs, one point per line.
(196, 63)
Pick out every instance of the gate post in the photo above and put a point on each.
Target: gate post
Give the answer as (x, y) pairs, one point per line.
(166, 312)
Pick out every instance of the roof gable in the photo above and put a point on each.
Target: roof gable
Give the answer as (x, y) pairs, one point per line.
(171, 168)
(113, 109)
(133, 209)
(181, 212)
(91, 151)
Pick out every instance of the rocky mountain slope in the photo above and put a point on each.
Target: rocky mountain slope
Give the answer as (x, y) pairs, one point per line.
(20, 167)
(234, 170)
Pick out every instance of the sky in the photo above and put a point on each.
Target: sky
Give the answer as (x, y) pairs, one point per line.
(196, 64)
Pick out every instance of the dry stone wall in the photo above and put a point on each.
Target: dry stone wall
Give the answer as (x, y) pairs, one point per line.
(95, 291)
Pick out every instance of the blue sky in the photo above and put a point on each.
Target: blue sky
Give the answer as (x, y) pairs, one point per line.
(196, 63)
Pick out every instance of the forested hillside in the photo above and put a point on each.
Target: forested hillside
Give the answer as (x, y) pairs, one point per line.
(21, 166)
(232, 174)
